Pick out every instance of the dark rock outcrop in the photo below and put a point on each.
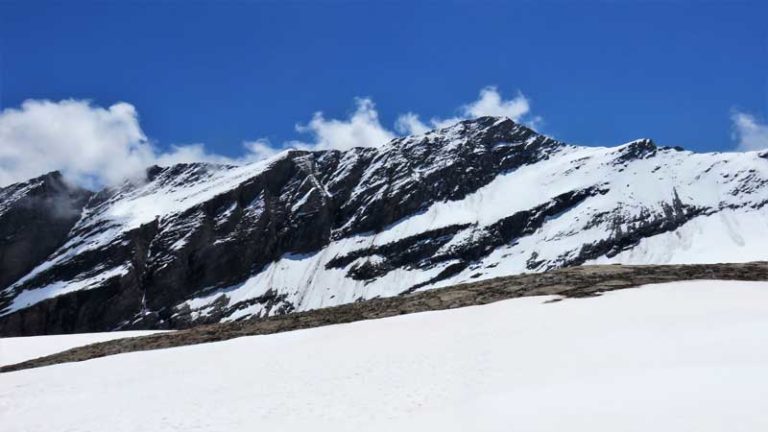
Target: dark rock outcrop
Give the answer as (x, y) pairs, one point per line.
(35, 219)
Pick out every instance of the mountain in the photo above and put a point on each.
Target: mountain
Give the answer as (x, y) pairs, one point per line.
(201, 243)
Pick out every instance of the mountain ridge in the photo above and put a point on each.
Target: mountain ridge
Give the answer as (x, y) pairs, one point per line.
(200, 243)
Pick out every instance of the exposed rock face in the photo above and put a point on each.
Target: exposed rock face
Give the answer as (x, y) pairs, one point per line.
(201, 243)
(35, 218)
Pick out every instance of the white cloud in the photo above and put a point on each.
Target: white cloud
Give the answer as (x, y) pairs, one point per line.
(90, 145)
(189, 153)
(488, 103)
(409, 124)
(93, 145)
(83, 141)
(749, 132)
(362, 129)
(258, 150)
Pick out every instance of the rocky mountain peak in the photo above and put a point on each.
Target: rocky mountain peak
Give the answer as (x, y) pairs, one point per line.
(485, 197)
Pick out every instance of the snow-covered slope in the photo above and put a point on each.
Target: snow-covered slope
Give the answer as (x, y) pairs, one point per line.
(687, 356)
(483, 198)
(18, 349)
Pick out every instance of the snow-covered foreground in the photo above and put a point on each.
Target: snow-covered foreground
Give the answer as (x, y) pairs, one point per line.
(18, 349)
(687, 356)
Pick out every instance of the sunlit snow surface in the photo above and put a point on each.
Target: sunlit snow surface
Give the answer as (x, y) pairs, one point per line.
(18, 349)
(687, 356)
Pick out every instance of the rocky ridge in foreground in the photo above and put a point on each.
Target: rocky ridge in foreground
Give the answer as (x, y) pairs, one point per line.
(584, 281)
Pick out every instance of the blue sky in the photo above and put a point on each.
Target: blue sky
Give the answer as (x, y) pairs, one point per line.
(220, 73)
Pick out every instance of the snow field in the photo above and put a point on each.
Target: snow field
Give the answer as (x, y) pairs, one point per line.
(670, 357)
(18, 349)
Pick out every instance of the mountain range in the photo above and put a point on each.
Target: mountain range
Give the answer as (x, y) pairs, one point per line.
(201, 243)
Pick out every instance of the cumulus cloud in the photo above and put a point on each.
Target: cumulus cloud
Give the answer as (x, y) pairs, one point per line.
(364, 129)
(410, 124)
(90, 145)
(361, 129)
(81, 140)
(488, 103)
(93, 146)
(749, 133)
(258, 150)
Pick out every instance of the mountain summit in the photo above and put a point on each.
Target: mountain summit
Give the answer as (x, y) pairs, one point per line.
(200, 243)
